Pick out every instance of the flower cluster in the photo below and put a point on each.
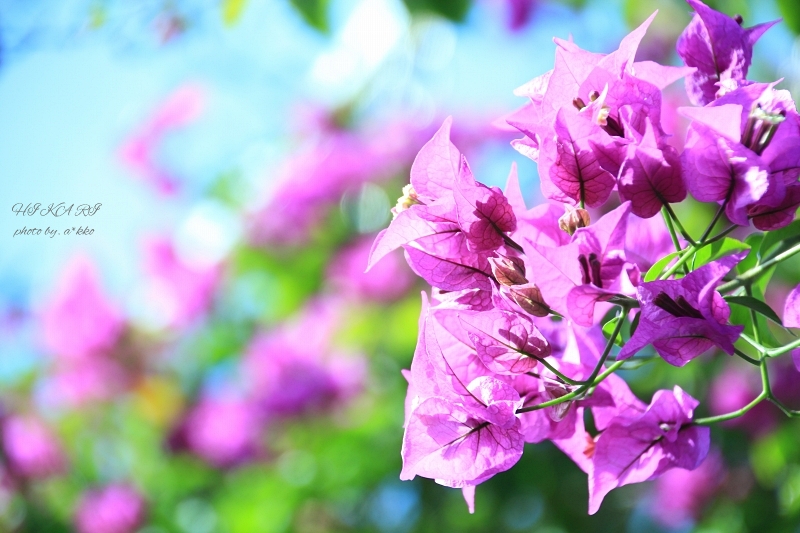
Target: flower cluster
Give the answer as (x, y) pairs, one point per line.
(518, 341)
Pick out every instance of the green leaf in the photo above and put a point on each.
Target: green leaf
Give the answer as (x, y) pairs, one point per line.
(608, 330)
(455, 10)
(718, 249)
(232, 11)
(754, 241)
(659, 267)
(790, 11)
(315, 12)
(772, 238)
(756, 305)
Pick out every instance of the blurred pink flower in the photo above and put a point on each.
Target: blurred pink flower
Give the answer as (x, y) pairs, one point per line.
(181, 107)
(387, 280)
(112, 509)
(680, 495)
(77, 384)
(295, 370)
(734, 388)
(316, 176)
(223, 431)
(78, 321)
(30, 449)
(182, 292)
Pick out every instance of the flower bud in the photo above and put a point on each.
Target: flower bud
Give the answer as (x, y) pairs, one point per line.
(529, 298)
(558, 411)
(408, 199)
(573, 219)
(508, 270)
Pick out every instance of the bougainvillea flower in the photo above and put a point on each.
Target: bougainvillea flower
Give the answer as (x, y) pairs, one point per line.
(290, 372)
(181, 107)
(569, 169)
(90, 380)
(387, 280)
(595, 257)
(791, 309)
(685, 317)
(632, 91)
(79, 321)
(680, 495)
(506, 342)
(732, 389)
(461, 426)
(181, 291)
(447, 222)
(112, 509)
(223, 431)
(484, 214)
(328, 163)
(650, 176)
(30, 449)
(743, 148)
(462, 445)
(718, 47)
(646, 242)
(791, 319)
(538, 224)
(636, 449)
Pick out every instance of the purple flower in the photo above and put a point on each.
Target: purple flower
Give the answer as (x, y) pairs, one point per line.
(680, 495)
(791, 309)
(223, 431)
(632, 449)
(583, 117)
(461, 445)
(519, 13)
(743, 149)
(732, 389)
(683, 318)
(448, 224)
(78, 321)
(718, 47)
(791, 319)
(290, 372)
(330, 162)
(181, 292)
(650, 176)
(386, 281)
(461, 426)
(76, 384)
(569, 168)
(138, 152)
(30, 449)
(646, 242)
(572, 278)
(111, 509)
(506, 342)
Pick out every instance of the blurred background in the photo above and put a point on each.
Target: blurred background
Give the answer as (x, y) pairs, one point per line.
(204, 353)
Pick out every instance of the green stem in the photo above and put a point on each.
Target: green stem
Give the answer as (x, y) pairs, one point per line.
(714, 220)
(678, 223)
(775, 352)
(671, 228)
(746, 357)
(752, 342)
(555, 371)
(594, 378)
(721, 235)
(735, 414)
(754, 273)
(687, 253)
